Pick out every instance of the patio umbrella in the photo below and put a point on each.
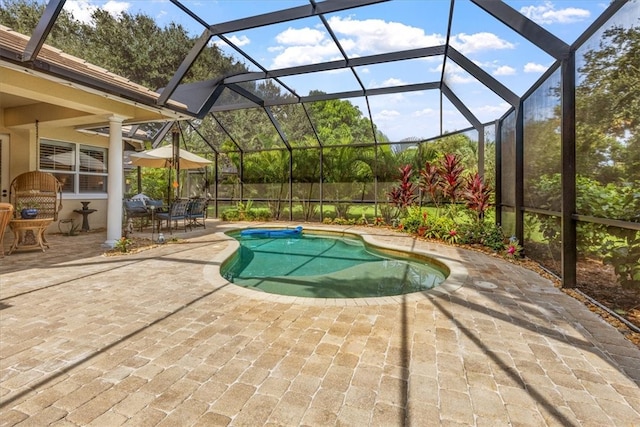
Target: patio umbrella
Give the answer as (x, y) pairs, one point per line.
(162, 157)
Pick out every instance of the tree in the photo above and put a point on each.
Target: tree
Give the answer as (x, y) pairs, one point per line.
(132, 46)
(608, 107)
(22, 15)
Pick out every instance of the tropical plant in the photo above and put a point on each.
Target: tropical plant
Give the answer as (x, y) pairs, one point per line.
(123, 244)
(477, 196)
(431, 182)
(451, 236)
(404, 194)
(624, 256)
(244, 209)
(413, 220)
(512, 248)
(451, 170)
(616, 246)
(493, 237)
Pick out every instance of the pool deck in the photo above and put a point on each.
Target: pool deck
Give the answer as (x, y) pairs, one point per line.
(159, 338)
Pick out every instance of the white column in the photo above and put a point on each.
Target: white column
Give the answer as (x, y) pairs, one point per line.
(115, 190)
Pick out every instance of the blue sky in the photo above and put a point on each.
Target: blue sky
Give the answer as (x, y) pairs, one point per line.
(395, 25)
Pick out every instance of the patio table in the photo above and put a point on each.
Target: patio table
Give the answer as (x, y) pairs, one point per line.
(29, 234)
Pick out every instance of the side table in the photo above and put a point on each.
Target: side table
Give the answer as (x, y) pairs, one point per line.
(29, 234)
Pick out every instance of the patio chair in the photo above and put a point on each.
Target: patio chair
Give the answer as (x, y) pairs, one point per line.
(155, 207)
(158, 204)
(136, 209)
(6, 212)
(197, 212)
(39, 190)
(177, 212)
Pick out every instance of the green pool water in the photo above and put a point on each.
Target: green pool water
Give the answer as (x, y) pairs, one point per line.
(323, 266)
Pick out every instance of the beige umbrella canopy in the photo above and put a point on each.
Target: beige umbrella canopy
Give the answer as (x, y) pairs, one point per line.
(162, 157)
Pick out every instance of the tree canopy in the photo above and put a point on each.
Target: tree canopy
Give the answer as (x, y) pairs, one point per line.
(608, 107)
(130, 45)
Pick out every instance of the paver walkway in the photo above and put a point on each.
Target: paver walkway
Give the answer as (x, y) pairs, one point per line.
(159, 338)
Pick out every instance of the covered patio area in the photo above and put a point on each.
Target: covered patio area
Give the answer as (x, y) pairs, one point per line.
(159, 338)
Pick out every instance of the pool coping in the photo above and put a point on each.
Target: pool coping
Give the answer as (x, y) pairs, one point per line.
(458, 273)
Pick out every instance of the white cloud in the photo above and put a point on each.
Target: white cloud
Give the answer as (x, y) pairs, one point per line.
(306, 54)
(548, 14)
(455, 78)
(373, 36)
(386, 115)
(116, 8)
(239, 41)
(302, 46)
(83, 9)
(80, 9)
(455, 74)
(436, 69)
(504, 70)
(389, 82)
(532, 67)
(427, 112)
(357, 37)
(302, 36)
(493, 110)
(469, 43)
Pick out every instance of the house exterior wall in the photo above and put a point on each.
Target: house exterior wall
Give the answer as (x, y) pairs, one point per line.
(24, 157)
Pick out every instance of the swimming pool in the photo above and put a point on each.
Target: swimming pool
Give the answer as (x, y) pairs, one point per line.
(328, 266)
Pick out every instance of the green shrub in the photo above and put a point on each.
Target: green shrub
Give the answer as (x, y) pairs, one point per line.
(341, 221)
(620, 200)
(230, 215)
(413, 220)
(259, 214)
(493, 237)
(472, 233)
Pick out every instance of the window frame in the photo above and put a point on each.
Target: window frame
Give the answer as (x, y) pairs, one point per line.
(78, 171)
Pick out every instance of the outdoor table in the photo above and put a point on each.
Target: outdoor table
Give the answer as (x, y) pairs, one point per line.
(29, 234)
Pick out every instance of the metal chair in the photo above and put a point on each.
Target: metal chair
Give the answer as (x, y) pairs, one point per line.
(197, 212)
(177, 212)
(136, 209)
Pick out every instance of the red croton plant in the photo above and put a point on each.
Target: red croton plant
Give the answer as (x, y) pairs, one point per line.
(451, 170)
(403, 196)
(477, 195)
(444, 179)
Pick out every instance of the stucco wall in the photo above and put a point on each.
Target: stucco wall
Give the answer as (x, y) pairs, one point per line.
(23, 158)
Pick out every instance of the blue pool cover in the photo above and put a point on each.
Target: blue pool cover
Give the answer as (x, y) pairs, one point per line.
(272, 233)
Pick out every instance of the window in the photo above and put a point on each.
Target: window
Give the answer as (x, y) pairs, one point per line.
(80, 168)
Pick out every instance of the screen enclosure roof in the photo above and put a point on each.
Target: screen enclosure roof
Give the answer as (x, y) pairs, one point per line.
(416, 69)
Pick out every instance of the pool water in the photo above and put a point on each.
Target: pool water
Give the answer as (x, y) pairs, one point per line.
(322, 266)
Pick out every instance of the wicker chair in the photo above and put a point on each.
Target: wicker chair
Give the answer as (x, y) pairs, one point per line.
(40, 190)
(6, 212)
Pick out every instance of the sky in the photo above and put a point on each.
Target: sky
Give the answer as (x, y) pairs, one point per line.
(381, 28)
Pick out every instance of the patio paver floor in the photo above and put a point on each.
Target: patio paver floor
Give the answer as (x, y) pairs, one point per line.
(159, 338)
